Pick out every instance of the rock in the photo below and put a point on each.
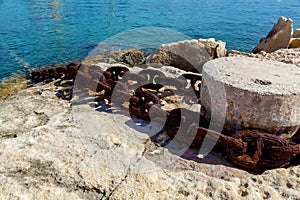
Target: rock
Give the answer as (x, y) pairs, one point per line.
(216, 49)
(132, 57)
(294, 43)
(11, 86)
(289, 56)
(297, 33)
(189, 55)
(259, 94)
(79, 153)
(277, 38)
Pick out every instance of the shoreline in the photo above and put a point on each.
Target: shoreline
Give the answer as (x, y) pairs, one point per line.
(20, 80)
(56, 149)
(47, 155)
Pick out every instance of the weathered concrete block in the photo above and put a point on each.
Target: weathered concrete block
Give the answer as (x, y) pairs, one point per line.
(259, 94)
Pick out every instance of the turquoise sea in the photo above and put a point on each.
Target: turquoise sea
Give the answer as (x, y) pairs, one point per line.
(34, 33)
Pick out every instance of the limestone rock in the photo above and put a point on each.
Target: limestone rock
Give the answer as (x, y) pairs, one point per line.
(216, 49)
(277, 38)
(51, 150)
(289, 56)
(129, 57)
(297, 33)
(132, 57)
(189, 55)
(294, 43)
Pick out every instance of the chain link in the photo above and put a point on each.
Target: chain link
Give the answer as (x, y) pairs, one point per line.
(249, 149)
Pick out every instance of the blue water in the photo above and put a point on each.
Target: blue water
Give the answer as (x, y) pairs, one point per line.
(39, 32)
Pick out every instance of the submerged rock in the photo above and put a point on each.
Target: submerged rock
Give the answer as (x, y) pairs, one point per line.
(277, 38)
(189, 55)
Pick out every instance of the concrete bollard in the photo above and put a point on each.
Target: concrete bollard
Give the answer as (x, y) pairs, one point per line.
(259, 94)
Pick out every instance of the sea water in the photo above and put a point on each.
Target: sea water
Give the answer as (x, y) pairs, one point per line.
(34, 33)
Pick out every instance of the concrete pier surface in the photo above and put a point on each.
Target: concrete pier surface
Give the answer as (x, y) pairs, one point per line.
(255, 93)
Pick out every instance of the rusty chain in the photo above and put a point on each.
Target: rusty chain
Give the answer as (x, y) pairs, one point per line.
(253, 150)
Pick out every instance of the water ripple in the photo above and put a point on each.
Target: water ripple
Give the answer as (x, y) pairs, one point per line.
(34, 33)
